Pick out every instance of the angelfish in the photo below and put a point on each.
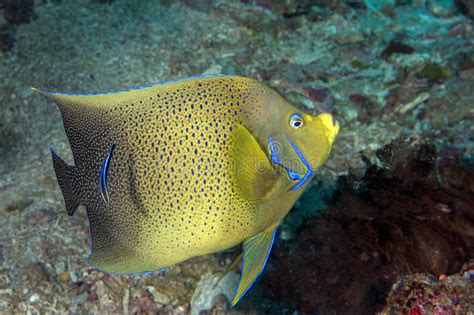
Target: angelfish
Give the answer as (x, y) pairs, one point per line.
(188, 167)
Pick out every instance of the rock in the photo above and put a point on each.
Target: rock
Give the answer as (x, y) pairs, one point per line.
(209, 287)
(26, 92)
(34, 298)
(344, 30)
(220, 305)
(157, 296)
(435, 72)
(81, 298)
(442, 9)
(74, 277)
(117, 284)
(181, 310)
(214, 69)
(60, 267)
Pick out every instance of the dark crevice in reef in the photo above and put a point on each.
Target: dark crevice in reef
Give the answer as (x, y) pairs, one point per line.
(15, 13)
(413, 214)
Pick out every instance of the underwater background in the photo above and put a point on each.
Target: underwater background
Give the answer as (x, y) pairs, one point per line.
(387, 225)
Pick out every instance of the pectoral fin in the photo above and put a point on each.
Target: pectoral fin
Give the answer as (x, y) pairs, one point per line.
(256, 252)
(253, 171)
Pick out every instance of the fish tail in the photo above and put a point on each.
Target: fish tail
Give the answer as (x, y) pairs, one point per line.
(67, 179)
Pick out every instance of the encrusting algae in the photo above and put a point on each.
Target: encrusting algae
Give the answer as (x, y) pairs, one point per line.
(185, 168)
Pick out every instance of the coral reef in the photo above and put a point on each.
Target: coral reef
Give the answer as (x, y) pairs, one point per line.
(425, 294)
(414, 213)
(384, 68)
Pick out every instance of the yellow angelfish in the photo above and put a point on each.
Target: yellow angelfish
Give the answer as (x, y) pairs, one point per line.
(189, 167)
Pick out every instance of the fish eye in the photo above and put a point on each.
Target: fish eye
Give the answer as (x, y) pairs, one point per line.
(296, 121)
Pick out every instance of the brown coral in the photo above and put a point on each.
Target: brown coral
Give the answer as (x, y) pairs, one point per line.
(415, 214)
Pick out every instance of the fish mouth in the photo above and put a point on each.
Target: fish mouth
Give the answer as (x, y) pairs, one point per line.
(293, 175)
(331, 126)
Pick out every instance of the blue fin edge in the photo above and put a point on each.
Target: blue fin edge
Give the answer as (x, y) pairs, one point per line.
(263, 266)
(144, 273)
(54, 152)
(137, 87)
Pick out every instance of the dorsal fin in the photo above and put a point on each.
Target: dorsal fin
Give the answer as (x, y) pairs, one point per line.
(111, 98)
(103, 100)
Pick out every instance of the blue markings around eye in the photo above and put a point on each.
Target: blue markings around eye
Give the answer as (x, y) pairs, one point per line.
(295, 116)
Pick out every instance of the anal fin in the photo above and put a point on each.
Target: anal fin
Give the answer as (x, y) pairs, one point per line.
(255, 256)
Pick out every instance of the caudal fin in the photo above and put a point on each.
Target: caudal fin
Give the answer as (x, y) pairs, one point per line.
(68, 182)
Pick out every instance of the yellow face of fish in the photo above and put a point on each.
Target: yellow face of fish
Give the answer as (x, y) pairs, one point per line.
(298, 142)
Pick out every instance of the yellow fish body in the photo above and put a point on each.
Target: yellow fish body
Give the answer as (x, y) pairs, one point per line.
(186, 168)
